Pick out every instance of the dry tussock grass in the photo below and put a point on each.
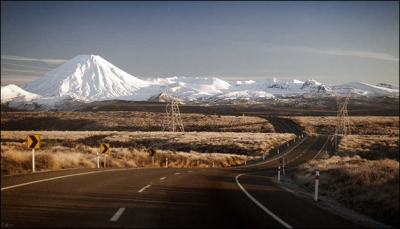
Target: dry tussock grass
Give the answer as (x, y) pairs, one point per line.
(127, 121)
(371, 187)
(360, 125)
(20, 161)
(371, 147)
(128, 149)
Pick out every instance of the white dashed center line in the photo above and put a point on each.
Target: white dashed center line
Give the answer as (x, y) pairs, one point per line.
(162, 178)
(117, 215)
(141, 190)
(190, 171)
(176, 173)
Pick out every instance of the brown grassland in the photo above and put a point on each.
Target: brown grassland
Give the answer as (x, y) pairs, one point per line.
(128, 121)
(371, 147)
(365, 174)
(359, 125)
(368, 186)
(77, 149)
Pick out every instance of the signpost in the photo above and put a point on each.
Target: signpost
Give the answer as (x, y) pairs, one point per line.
(105, 148)
(152, 152)
(33, 142)
(97, 156)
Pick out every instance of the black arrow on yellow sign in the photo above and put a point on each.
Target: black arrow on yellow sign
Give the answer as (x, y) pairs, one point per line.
(33, 141)
(104, 148)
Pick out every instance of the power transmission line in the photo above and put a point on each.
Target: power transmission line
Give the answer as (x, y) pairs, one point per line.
(173, 120)
(342, 118)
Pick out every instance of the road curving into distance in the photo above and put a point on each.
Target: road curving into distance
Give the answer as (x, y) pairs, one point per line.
(237, 196)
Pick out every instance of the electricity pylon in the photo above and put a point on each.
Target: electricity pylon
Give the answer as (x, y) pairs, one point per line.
(342, 118)
(173, 121)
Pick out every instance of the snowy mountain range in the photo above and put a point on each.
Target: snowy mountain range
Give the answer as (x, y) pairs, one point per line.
(88, 78)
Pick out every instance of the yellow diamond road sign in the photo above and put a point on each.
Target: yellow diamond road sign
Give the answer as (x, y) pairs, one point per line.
(33, 141)
(104, 148)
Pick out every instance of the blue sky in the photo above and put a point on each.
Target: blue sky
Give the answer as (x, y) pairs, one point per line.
(331, 42)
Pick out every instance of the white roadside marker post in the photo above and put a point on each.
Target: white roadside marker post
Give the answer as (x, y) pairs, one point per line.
(152, 160)
(294, 140)
(166, 162)
(316, 186)
(283, 170)
(287, 144)
(33, 160)
(244, 161)
(278, 150)
(105, 160)
(97, 157)
(263, 157)
(279, 173)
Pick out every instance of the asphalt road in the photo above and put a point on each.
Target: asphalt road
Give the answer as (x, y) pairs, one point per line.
(239, 196)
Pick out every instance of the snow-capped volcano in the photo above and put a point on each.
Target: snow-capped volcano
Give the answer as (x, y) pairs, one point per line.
(87, 78)
(92, 78)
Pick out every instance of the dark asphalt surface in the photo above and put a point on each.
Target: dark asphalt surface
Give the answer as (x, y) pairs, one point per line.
(186, 197)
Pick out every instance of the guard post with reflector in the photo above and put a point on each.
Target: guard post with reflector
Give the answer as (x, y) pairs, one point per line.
(316, 185)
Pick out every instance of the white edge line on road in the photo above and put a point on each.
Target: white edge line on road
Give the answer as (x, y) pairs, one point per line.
(162, 178)
(141, 190)
(117, 214)
(55, 178)
(261, 206)
(321, 148)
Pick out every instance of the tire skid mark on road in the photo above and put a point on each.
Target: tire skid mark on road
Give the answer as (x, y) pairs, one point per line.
(304, 150)
(281, 156)
(277, 126)
(60, 177)
(117, 215)
(322, 148)
(282, 122)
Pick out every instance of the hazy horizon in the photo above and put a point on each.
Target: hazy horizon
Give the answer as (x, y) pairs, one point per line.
(331, 42)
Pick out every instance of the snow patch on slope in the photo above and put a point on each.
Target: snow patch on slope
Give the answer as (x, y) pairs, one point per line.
(12, 91)
(368, 89)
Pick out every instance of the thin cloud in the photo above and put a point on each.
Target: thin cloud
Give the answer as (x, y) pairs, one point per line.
(267, 70)
(374, 55)
(367, 54)
(49, 61)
